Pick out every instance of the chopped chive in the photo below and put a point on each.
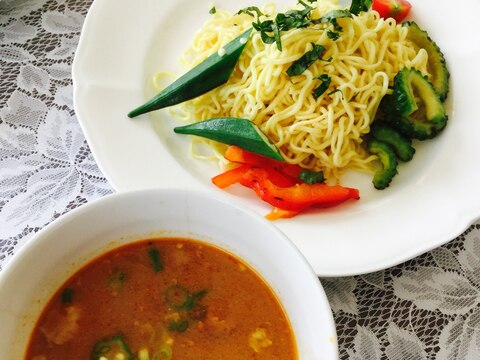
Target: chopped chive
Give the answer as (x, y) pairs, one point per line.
(67, 296)
(157, 263)
(116, 281)
(177, 296)
(178, 325)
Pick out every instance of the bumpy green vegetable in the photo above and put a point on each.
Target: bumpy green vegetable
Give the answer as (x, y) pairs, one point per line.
(209, 74)
(415, 108)
(233, 131)
(400, 144)
(383, 177)
(436, 59)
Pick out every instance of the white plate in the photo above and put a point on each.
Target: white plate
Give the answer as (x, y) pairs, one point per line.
(432, 200)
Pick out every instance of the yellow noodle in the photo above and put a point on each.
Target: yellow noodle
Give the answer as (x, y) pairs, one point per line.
(319, 134)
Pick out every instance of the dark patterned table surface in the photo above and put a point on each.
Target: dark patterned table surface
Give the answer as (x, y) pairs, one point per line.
(425, 308)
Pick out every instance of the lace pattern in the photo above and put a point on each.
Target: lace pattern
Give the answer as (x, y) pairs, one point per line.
(425, 308)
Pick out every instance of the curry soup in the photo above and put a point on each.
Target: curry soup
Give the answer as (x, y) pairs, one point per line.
(163, 299)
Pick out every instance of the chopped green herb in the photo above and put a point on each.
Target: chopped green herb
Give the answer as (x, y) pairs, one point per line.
(180, 298)
(335, 91)
(67, 296)
(251, 10)
(116, 281)
(180, 325)
(358, 6)
(194, 298)
(186, 304)
(333, 35)
(294, 19)
(332, 18)
(326, 80)
(213, 10)
(270, 30)
(354, 97)
(333, 15)
(336, 26)
(157, 263)
(311, 177)
(307, 59)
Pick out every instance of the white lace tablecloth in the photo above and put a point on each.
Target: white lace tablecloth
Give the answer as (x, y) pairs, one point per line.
(426, 308)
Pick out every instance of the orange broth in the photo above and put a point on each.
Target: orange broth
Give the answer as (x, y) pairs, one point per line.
(164, 299)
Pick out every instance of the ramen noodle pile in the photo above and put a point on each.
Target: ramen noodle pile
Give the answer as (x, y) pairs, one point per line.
(318, 132)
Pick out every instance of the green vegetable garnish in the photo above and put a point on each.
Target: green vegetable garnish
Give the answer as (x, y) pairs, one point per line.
(307, 59)
(333, 35)
(270, 30)
(233, 131)
(400, 144)
(180, 325)
(358, 6)
(436, 59)
(213, 10)
(333, 15)
(186, 304)
(67, 296)
(157, 263)
(326, 80)
(179, 298)
(193, 299)
(335, 91)
(311, 177)
(383, 177)
(416, 109)
(116, 281)
(251, 10)
(111, 349)
(209, 74)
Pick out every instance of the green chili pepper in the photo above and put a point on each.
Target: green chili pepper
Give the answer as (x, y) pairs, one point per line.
(209, 74)
(233, 131)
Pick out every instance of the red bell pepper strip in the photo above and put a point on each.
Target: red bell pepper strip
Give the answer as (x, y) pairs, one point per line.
(235, 175)
(299, 196)
(230, 177)
(273, 182)
(397, 9)
(237, 154)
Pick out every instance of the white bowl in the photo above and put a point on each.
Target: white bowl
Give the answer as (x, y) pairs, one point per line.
(56, 252)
